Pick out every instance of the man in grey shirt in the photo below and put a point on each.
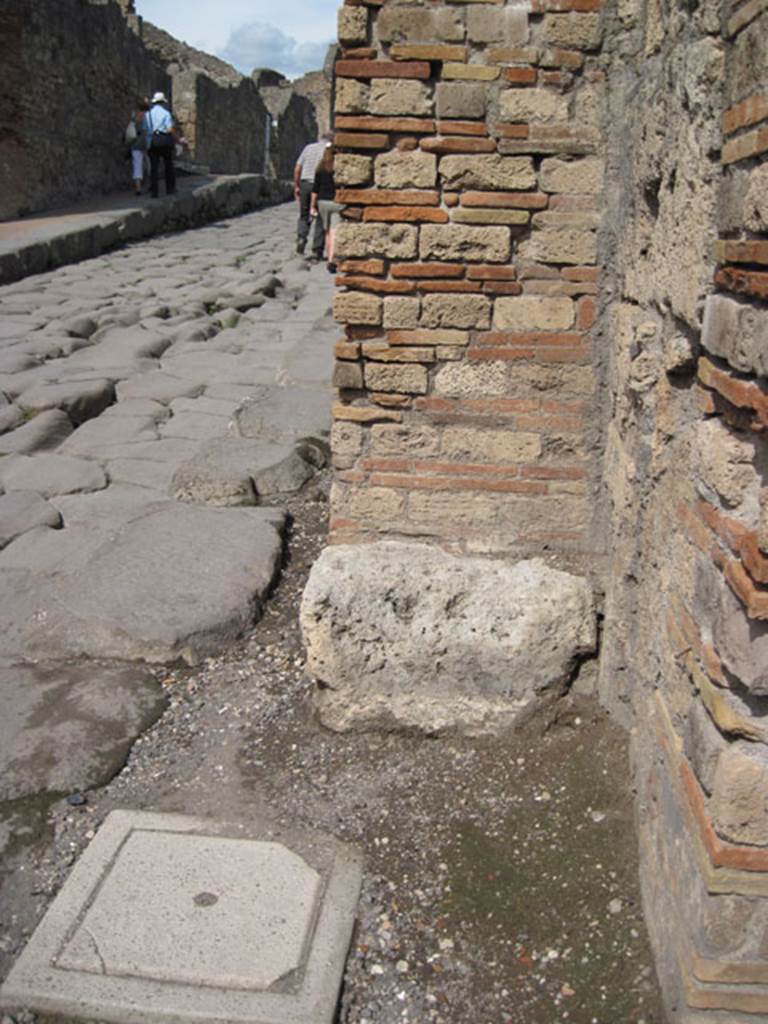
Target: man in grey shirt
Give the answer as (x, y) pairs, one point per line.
(303, 179)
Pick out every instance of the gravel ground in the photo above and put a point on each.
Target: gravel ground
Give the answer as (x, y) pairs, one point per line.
(501, 875)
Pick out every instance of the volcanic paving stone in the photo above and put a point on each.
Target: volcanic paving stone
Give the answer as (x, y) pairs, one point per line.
(172, 919)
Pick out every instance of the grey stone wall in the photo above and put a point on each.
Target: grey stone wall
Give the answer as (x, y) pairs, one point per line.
(71, 71)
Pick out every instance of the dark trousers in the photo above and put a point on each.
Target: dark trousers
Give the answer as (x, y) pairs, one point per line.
(156, 154)
(318, 237)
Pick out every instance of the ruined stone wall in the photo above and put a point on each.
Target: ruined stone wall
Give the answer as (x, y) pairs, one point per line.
(71, 72)
(468, 156)
(294, 120)
(685, 651)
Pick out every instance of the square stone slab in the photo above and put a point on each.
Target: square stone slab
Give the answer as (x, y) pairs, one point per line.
(167, 919)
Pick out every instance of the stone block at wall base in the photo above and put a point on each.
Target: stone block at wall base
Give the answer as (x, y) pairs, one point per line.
(406, 635)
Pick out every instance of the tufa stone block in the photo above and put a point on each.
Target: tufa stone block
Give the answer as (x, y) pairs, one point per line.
(574, 30)
(540, 105)
(533, 313)
(560, 245)
(464, 242)
(481, 444)
(580, 177)
(456, 310)
(399, 377)
(356, 308)
(358, 241)
(352, 169)
(352, 25)
(406, 169)
(460, 100)
(390, 97)
(401, 312)
(739, 804)
(487, 171)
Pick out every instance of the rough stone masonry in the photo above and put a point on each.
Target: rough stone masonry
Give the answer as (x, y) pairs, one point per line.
(553, 284)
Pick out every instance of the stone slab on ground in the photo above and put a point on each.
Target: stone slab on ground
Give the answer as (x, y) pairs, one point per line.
(69, 726)
(50, 474)
(407, 635)
(169, 582)
(167, 919)
(22, 511)
(46, 430)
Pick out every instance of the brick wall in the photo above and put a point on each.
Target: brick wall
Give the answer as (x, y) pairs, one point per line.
(71, 73)
(467, 137)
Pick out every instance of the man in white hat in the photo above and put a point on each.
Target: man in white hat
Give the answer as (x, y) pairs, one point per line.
(162, 141)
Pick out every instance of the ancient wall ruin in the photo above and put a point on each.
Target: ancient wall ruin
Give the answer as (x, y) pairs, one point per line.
(467, 376)
(71, 72)
(552, 289)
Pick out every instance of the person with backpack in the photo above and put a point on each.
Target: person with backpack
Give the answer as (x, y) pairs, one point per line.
(136, 138)
(161, 135)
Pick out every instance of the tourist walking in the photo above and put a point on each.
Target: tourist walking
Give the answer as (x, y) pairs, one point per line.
(162, 144)
(136, 137)
(323, 203)
(303, 182)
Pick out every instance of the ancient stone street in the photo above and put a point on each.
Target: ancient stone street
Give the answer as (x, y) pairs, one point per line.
(158, 402)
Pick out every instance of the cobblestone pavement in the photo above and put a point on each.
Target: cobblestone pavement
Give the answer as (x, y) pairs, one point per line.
(151, 401)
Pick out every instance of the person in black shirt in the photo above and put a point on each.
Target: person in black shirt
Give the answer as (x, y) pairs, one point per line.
(323, 202)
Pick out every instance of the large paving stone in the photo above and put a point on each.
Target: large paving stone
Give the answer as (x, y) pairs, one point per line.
(11, 417)
(174, 582)
(159, 386)
(99, 433)
(22, 511)
(218, 923)
(407, 635)
(50, 474)
(286, 414)
(68, 726)
(231, 472)
(80, 400)
(46, 430)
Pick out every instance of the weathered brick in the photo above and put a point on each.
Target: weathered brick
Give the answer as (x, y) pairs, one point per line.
(346, 350)
(491, 273)
(420, 270)
(487, 171)
(533, 313)
(541, 105)
(422, 336)
(479, 215)
(382, 69)
(464, 242)
(513, 54)
(753, 251)
(460, 100)
(381, 352)
(398, 377)
(363, 413)
(388, 197)
(502, 288)
(750, 111)
(746, 146)
(470, 72)
(398, 169)
(348, 122)
(361, 140)
(450, 127)
(521, 76)
(559, 57)
(346, 443)
(448, 310)
(356, 308)
(402, 214)
(396, 439)
(369, 267)
(567, 219)
(376, 504)
(376, 285)
(449, 286)
(401, 312)
(427, 51)
(458, 145)
(744, 282)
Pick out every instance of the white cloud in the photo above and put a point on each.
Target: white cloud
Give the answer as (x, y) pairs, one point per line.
(258, 45)
(209, 26)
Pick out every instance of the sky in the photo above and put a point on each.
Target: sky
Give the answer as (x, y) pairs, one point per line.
(291, 36)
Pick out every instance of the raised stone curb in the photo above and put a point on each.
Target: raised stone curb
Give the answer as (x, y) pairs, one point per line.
(91, 233)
